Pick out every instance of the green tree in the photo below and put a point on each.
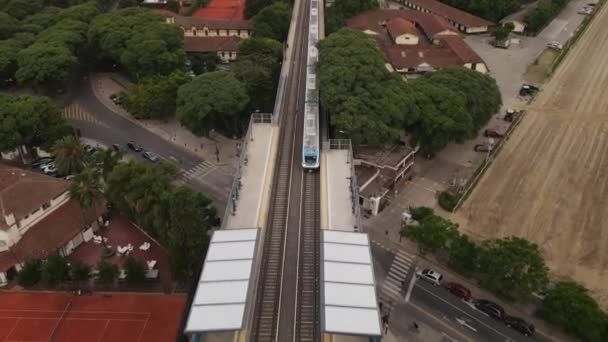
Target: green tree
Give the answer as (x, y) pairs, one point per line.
(273, 21)
(463, 254)
(155, 97)
(105, 160)
(192, 215)
(69, 155)
(203, 62)
(569, 306)
(501, 33)
(29, 121)
(263, 51)
(135, 270)
(8, 25)
(491, 10)
(214, 99)
(432, 233)
(46, 18)
(79, 271)
(45, 66)
(30, 273)
(127, 3)
(138, 39)
(481, 92)
(87, 190)
(172, 6)
(512, 267)
(252, 7)
(444, 117)
(84, 12)
(8, 60)
(419, 213)
(20, 9)
(138, 190)
(336, 15)
(54, 270)
(107, 273)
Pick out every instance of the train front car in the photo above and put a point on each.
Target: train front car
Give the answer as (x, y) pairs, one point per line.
(310, 140)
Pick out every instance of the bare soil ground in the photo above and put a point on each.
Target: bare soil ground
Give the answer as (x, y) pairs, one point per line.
(549, 184)
(538, 71)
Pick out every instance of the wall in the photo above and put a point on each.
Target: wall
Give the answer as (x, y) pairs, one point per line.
(35, 217)
(478, 29)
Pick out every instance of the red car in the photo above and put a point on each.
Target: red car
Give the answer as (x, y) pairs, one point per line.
(492, 133)
(459, 291)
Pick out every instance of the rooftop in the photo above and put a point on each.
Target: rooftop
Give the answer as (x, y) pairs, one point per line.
(399, 26)
(210, 22)
(452, 13)
(388, 155)
(222, 9)
(22, 191)
(211, 44)
(375, 20)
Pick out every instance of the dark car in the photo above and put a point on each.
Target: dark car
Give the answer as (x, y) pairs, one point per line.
(490, 308)
(151, 156)
(482, 148)
(528, 89)
(492, 133)
(41, 161)
(116, 98)
(511, 115)
(134, 146)
(458, 290)
(516, 323)
(117, 148)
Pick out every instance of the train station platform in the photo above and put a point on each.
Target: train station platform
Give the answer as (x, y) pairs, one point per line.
(350, 310)
(250, 195)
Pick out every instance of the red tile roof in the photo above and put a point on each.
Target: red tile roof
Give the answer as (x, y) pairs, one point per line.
(452, 13)
(461, 49)
(399, 26)
(450, 51)
(23, 191)
(53, 231)
(211, 44)
(375, 19)
(201, 23)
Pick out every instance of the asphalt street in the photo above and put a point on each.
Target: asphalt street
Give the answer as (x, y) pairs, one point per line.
(119, 130)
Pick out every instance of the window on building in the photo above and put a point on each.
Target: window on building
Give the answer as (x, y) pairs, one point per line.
(223, 54)
(46, 205)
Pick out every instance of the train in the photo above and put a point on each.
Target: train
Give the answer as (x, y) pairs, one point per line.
(310, 140)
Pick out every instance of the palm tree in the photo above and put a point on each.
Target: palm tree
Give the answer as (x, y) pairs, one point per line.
(87, 190)
(106, 159)
(69, 155)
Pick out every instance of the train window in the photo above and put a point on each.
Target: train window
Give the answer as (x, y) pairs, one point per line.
(310, 159)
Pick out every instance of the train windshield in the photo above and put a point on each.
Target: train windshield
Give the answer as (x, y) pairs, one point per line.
(310, 159)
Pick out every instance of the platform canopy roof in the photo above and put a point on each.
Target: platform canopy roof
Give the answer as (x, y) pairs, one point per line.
(221, 295)
(350, 305)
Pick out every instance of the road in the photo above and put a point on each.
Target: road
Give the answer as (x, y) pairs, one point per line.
(438, 312)
(116, 129)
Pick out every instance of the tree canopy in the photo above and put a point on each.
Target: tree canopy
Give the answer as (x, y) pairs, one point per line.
(512, 267)
(252, 7)
(45, 65)
(543, 13)
(432, 233)
(69, 155)
(211, 100)
(8, 25)
(20, 9)
(569, 306)
(273, 21)
(155, 97)
(55, 270)
(139, 40)
(491, 10)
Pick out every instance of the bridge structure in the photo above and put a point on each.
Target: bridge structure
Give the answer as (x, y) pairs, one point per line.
(290, 262)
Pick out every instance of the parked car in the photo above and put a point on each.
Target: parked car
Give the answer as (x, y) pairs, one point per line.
(89, 149)
(591, 4)
(431, 276)
(117, 148)
(50, 169)
(585, 10)
(116, 98)
(151, 156)
(492, 133)
(134, 146)
(482, 148)
(555, 45)
(490, 308)
(458, 290)
(520, 325)
(511, 115)
(528, 89)
(40, 162)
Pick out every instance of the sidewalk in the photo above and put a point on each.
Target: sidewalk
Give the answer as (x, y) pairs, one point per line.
(106, 84)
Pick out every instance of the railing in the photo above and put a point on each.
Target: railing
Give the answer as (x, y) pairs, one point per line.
(233, 197)
(345, 144)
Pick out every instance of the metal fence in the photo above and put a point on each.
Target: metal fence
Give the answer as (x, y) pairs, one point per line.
(235, 191)
(345, 144)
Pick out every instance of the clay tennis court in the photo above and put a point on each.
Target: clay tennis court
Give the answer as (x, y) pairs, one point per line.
(222, 9)
(48, 317)
(549, 184)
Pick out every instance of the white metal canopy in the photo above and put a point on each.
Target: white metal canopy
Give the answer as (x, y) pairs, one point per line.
(349, 292)
(221, 295)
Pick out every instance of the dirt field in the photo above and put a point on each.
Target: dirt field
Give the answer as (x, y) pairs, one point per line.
(538, 71)
(550, 181)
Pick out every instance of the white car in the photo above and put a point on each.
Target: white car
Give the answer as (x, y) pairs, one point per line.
(431, 276)
(555, 45)
(585, 10)
(50, 169)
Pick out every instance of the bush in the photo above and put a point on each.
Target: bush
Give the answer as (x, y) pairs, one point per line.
(448, 200)
(542, 14)
(80, 271)
(433, 234)
(54, 270)
(420, 213)
(30, 273)
(463, 255)
(135, 270)
(107, 273)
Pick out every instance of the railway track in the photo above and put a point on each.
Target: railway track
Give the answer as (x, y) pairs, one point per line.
(307, 325)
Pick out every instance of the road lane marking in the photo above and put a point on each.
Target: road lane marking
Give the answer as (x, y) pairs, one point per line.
(433, 317)
(464, 312)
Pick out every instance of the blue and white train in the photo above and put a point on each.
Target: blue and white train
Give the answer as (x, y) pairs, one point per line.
(310, 140)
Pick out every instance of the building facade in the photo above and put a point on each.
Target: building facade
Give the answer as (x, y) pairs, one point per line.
(463, 21)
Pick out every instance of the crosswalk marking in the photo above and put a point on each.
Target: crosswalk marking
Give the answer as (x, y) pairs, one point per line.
(392, 288)
(75, 112)
(198, 171)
